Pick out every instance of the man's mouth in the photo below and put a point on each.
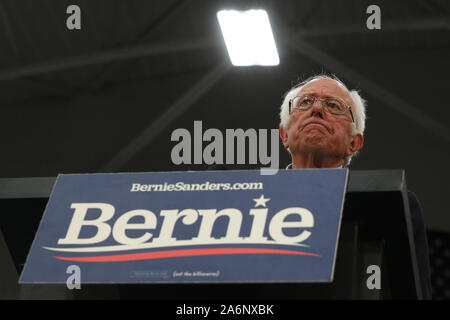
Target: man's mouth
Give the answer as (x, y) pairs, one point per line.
(315, 124)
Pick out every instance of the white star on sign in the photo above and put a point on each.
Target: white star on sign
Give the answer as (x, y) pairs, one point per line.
(261, 201)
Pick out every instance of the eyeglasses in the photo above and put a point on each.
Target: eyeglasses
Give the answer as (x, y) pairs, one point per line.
(331, 105)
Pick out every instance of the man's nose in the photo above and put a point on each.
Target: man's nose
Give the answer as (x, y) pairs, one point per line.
(317, 109)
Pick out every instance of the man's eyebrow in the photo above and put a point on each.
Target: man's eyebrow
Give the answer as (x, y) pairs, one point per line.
(325, 96)
(315, 94)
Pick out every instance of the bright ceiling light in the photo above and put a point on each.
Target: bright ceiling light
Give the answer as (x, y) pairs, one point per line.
(248, 37)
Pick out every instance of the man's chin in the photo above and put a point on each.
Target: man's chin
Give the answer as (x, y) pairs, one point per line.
(311, 145)
(314, 141)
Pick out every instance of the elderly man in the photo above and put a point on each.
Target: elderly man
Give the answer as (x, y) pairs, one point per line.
(322, 125)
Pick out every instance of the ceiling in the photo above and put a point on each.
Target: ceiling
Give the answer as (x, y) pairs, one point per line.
(106, 98)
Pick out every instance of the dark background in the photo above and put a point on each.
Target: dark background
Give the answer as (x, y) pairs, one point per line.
(106, 98)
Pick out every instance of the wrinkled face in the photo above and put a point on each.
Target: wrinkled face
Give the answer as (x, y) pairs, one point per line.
(318, 131)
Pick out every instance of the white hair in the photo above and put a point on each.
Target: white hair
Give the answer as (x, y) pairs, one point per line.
(358, 107)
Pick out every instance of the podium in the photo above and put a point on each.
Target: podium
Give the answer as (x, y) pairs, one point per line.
(376, 230)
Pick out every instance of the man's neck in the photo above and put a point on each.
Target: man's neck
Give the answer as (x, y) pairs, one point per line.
(311, 162)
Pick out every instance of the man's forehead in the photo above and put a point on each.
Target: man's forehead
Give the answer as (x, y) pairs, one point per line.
(326, 87)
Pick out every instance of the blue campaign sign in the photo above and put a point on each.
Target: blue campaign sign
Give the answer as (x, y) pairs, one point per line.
(211, 226)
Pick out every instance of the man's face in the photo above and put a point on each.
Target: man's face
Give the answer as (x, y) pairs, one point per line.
(316, 131)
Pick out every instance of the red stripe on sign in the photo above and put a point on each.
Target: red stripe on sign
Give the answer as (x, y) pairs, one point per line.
(184, 253)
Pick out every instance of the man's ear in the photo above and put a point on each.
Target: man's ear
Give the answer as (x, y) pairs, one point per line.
(284, 137)
(356, 144)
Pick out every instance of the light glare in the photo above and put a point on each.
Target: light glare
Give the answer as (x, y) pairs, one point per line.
(248, 37)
